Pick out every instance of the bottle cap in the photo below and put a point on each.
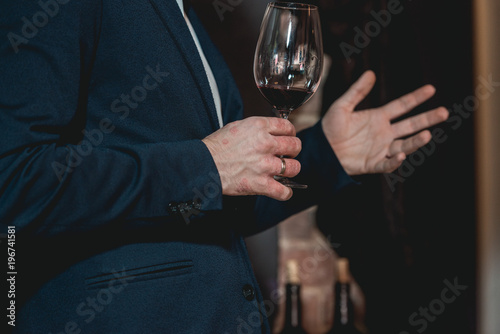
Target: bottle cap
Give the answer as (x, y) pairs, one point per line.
(292, 272)
(343, 265)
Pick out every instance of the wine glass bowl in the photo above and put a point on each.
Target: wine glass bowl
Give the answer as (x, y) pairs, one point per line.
(288, 58)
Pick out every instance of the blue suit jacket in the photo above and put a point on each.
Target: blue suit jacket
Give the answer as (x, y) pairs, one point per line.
(121, 225)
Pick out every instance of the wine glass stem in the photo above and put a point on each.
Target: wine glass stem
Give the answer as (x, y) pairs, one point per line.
(284, 180)
(284, 113)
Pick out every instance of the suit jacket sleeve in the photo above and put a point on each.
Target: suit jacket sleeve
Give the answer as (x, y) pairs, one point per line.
(46, 175)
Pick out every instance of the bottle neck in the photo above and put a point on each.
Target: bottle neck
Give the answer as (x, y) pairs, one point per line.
(344, 313)
(293, 307)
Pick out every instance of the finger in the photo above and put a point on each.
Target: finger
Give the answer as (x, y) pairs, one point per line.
(411, 144)
(287, 146)
(409, 101)
(417, 123)
(357, 92)
(291, 167)
(280, 127)
(276, 190)
(389, 165)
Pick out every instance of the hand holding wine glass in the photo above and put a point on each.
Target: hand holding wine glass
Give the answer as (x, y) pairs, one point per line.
(245, 154)
(288, 58)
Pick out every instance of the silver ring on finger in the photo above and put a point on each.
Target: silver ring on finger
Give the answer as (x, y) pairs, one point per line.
(283, 166)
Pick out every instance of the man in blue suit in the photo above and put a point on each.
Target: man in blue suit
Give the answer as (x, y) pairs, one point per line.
(129, 178)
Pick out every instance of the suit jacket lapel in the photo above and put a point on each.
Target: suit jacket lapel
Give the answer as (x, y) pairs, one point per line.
(232, 106)
(174, 22)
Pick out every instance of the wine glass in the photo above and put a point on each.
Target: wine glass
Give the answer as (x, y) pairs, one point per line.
(288, 59)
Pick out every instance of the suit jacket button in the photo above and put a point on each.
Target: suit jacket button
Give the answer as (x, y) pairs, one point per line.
(248, 292)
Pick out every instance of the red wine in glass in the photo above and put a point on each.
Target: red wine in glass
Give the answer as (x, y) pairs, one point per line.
(288, 59)
(285, 99)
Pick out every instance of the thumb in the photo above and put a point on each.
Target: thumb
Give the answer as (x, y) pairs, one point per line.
(357, 92)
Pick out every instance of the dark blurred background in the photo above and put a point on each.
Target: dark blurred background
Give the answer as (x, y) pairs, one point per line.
(407, 232)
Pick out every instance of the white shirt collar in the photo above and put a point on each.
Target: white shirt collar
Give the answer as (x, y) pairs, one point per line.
(181, 5)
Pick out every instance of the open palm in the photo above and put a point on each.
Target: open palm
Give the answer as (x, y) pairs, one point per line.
(368, 141)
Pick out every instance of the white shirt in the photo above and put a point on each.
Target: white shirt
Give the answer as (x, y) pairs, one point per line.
(208, 70)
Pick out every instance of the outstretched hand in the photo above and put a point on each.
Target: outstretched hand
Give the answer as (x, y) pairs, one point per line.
(367, 141)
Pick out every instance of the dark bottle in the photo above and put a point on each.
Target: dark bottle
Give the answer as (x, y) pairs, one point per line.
(343, 317)
(293, 305)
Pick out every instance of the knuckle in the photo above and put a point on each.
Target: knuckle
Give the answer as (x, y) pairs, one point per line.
(289, 145)
(298, 144)
(280, 192)
(259, 122)
(291, 128)
(268, 183)
(275, 122)
(407, 101)
(268, 144)
(279, 145)
(268, 164)
(287, 126)
(244, 187)
(233, 125)
(275, 168)
(294, 167)
(282, 125)
(272, 188)
(262, 183)
(263, 142)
